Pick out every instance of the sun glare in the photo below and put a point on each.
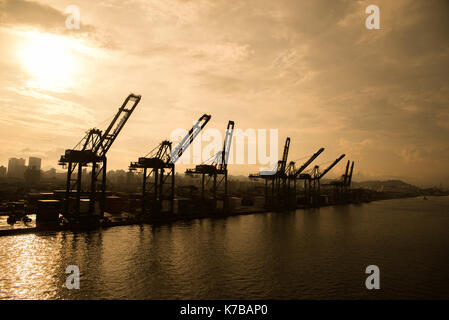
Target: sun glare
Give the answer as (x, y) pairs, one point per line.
(49, 60)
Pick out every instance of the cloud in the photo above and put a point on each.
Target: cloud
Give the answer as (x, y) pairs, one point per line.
(355, 148)
(411, 154)
(22, 13)
(49, 112)
(309, 68)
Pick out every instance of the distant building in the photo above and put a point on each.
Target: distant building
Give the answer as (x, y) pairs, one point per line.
(34, 163)
(2, 171)
(16, 167)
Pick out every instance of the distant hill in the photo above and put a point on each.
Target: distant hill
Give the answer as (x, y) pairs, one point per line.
(388, 186)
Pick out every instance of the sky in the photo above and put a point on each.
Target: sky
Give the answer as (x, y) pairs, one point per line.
(310, 69)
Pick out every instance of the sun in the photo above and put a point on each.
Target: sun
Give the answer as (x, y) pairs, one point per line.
(49, 61)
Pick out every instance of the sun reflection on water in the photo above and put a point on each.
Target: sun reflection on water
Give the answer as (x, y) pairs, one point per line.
(35, 272)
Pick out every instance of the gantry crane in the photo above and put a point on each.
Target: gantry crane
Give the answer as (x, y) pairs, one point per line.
(341, 186)
(277, 188)
(317, 175)
(158, 168)
(218, 166)
(346, 178)
(91, 151)
(345, 181)
(295, 174)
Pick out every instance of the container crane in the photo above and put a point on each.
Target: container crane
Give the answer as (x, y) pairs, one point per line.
(295, 174)
(219, 165)
(317, 176)
(278, 177)
(341, 186)
(345, 181)
(160, 164)
(91, 150)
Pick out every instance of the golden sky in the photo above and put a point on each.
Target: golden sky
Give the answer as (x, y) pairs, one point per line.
(310, 69)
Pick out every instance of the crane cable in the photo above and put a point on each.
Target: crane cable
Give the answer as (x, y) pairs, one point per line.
(109, 119)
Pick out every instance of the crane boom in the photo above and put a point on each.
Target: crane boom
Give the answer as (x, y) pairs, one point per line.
(227, 146)
(283, 164)
(96, 143)
(345, 176)
(308, 162)
(116, 125)
(350, 174)
(188, 139)
(331, 166)
(280, 168)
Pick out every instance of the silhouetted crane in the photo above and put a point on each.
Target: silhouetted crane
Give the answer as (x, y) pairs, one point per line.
(317, 176)
(160, 163)
(218, 166)
(92, 150)
(278, 178)
(294, 174)
(341, 186)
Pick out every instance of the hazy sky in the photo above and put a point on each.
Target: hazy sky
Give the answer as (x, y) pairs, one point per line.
(308, 68)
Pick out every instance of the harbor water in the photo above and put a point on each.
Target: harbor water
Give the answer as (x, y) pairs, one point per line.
(307, 254)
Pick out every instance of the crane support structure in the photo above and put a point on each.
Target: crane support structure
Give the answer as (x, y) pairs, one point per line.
(91, 151)
(158, 168)
(218, 167)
